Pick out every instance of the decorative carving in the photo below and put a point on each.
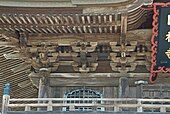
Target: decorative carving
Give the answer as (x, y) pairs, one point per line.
(35, 54)
(83, 46)
(168, 53)
(84, 59)
(168, 37)
(122, 56)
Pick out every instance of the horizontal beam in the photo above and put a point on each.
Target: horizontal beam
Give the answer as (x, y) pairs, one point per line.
(96, 79)
(98, 75)
(116, 103)
(88, 99)
(35, 4)
(146, 106)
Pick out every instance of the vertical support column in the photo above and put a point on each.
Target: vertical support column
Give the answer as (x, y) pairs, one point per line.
(124, 23)
(62, 92)
(139, 88)
(115, 19)
(41, 92)
(6, 97)
(43, 85)
(123, 87)
(139, 91)
(123, 27)
(108, 92)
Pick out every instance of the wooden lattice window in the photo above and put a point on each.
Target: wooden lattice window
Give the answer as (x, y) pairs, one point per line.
(83, 93)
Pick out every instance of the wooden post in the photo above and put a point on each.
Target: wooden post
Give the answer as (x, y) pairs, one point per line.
(5, 103)
(123, 27)
(27, 108)
(124, 23)
(5, 99)
(139, 108)
(123, 87)
(71, 108)
(41, 92)
(43, 85)
(116, 109)
(50, 107)
(163, 109)
(139, 91)
(139, 88)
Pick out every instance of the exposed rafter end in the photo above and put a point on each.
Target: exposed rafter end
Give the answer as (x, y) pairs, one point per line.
(6, 44)
(13, 56)
(21, 67)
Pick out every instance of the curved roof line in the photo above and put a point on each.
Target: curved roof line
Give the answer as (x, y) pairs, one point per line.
(66, 3)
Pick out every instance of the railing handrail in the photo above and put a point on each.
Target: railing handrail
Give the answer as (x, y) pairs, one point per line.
(116, 103)
(90, 99)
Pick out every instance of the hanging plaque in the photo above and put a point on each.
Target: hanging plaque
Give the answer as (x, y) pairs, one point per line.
(160, 40)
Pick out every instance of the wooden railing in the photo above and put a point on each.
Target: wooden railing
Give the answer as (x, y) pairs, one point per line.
(117, 104)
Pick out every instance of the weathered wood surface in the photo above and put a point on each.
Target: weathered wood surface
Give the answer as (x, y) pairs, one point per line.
(139, 104)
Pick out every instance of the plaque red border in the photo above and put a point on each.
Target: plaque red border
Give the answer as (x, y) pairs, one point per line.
(154, 43)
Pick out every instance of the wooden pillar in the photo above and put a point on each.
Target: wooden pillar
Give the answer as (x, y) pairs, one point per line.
(123, 87)
(123, 27)
(42, 91)
(124, 23)
(139, 88)
(139, 91)
(43, 85)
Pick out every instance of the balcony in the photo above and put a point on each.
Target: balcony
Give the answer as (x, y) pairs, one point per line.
(94, 105)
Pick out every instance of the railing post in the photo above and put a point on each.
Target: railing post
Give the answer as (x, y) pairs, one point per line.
(71, 108)
(102, 108)
(50, 107)
(116, 108)
(139, 108)
(27, 108)
(64, 102)
(5, 99)
(162, 109)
